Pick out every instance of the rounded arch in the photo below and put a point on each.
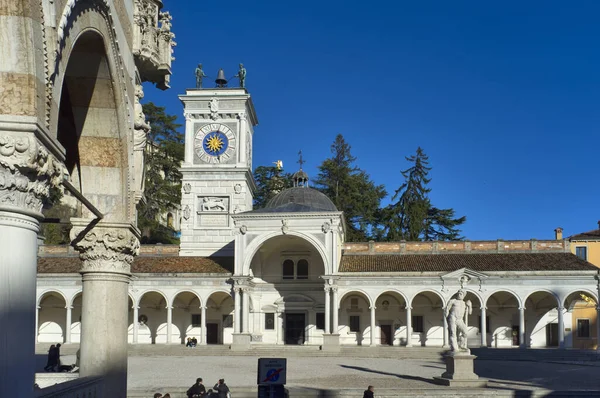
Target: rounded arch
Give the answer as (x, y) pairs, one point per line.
(412, 298)
(221, 290)
(158, 291)
(178, 292)
(520, 303)
(564, 298)
(257, 243)
(355, 291)
(541, 290)
(391, 291)
(474, 293)
(74, 296)
(49, 292)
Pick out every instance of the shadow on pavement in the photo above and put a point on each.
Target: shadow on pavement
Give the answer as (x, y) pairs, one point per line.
(406, 377)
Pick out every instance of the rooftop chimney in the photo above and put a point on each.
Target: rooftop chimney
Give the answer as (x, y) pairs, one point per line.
(558, 233)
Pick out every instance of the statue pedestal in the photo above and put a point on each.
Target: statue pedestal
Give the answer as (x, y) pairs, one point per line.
(459, 372)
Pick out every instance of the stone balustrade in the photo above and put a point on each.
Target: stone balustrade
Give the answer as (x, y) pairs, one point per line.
(153, 42)
(496, 246)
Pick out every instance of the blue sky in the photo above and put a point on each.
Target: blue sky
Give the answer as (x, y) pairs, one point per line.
(503, 97)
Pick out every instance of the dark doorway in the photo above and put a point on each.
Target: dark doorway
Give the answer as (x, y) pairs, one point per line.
(295, 324)
(552, 335)
(212, 333)
(515, 336)
(386, 334)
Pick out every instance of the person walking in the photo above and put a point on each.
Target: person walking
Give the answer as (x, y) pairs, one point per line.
(369, 392)
(197, 390)
(51, 354)
(221, 389)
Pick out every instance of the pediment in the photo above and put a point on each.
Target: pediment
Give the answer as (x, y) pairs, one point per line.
(464, 272)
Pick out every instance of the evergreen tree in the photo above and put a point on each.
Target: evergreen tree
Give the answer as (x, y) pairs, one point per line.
(270, 180)
(351, 190)
(162, 191)
(412, 217)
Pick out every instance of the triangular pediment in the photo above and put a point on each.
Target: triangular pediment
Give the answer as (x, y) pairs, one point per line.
(464, 272)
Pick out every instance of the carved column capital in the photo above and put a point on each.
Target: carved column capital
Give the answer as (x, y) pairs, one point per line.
(105, 247)
(27, 170)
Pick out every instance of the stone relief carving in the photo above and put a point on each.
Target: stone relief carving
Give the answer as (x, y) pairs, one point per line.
(187, 212)
(153, 44)
(213, 204)
(243, 229)
(27, 170)
(284, 226)
(187, 188)
(326, 227)
(105, 249)
(237, 188)
(214, 108)
(140, 134)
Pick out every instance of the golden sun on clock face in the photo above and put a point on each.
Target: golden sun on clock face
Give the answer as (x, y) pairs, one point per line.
(214, 143)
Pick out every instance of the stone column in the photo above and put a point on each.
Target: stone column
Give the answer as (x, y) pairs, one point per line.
(373, 326)
(327, 310)
(37, 326)
(561, 328)
(522, 327)
(483, 328)
(136, 324)
(334, 308)
(236, 310)
(409, 326)
(598, 328)
(107, 251)
(169, 323)
(279, 320)
(242, 137)
(245, 311)
(26, 172)
(203, 326)
(68, 325)
(445, 323)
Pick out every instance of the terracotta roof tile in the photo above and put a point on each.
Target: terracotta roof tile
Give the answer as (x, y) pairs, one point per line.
(453, 262)
(150, 265)
(589, 235)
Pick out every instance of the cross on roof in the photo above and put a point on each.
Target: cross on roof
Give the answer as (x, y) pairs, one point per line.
(300, 161)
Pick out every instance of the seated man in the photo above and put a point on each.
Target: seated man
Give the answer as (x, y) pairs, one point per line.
(194, 342)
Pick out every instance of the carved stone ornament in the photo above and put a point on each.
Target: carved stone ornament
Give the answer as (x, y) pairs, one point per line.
(27, 170)
(214, 108)
(326, 227)
(187, 212)
(237, 188)
(213, 204)
(105, 249)
(187, 188)
(243, 229)
(284, 226)
(241, 116)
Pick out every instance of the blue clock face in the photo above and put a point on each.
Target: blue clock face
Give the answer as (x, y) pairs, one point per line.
(215, 143)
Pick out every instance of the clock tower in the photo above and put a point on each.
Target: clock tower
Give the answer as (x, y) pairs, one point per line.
(217, 171)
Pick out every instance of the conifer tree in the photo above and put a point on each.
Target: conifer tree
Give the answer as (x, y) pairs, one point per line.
(270, 180)
(412, 217)
(351, 190)
(162, 191)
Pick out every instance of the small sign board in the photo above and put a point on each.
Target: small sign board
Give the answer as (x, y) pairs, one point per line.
(271, 371)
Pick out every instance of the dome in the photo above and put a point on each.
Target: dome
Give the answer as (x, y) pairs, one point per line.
(298, 199)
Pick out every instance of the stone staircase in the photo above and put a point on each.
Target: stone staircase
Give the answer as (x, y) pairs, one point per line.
(287, 351)
(589, 357)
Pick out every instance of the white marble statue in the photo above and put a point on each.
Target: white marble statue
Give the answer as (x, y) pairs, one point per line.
(140, 135)
(457, 312)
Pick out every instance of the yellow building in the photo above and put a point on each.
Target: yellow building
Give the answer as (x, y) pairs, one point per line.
(585, 245)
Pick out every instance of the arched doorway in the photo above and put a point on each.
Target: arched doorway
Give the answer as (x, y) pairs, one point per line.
(503, 310)
(219, 318)
(152, 318)
(427, 320)
(52, 317)
(187, 316)
(354, 324)
(391, 319)
(541, 320)
(580, 320)
(76, 319)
